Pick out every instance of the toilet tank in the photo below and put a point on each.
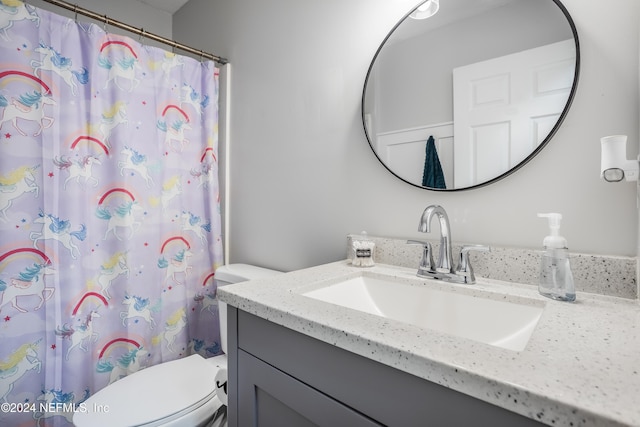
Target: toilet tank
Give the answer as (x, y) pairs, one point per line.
(228, 275)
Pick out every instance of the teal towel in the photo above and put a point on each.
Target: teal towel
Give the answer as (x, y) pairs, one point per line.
(432, 176)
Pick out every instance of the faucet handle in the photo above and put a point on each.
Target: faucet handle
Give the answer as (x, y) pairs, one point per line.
(426, 263)
(464, 266)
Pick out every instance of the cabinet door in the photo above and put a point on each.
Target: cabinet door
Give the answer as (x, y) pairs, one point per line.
(275, 372)
(268, 397)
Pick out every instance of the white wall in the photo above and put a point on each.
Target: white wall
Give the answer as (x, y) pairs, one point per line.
(303, 175)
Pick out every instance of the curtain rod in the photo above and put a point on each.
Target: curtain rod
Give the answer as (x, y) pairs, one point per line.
(139, 31)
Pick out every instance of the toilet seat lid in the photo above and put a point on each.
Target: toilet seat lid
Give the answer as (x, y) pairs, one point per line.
(151, 394)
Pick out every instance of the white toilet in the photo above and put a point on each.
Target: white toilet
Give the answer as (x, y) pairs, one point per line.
(180, 393)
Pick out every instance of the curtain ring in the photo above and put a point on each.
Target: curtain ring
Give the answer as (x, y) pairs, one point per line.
(141, 36)
(106, 21)
(201, 55)
(173, 48)
(75, 11)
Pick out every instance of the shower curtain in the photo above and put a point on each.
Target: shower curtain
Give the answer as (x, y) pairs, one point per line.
(109, 211)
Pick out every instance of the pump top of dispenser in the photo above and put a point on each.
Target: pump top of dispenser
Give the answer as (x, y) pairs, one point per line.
(554, 239)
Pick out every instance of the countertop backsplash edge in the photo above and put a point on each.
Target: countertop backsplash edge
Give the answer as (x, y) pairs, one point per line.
(599, 274)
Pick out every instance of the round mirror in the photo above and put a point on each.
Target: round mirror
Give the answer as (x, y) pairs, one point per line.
(466, 96)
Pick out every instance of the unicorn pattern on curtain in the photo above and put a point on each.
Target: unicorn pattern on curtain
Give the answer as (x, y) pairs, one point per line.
(109, 211)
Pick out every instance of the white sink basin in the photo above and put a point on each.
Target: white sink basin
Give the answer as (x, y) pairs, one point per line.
(467, 313)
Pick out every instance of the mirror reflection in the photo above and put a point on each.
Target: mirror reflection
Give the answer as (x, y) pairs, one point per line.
(470, 94)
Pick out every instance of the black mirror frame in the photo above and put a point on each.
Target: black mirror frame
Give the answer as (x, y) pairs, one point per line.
(523, 162)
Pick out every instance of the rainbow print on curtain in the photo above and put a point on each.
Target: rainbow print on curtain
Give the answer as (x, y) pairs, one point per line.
(109, 210)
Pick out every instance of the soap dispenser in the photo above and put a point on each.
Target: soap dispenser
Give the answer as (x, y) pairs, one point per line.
(556, 279)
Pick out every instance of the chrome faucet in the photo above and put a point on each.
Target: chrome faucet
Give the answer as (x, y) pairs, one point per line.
(445, 260)
(443, 270)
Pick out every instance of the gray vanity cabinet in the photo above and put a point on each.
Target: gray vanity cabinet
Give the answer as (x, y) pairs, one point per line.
(279, 377)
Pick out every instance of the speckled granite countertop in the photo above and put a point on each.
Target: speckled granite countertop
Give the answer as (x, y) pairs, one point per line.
(581, 366)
